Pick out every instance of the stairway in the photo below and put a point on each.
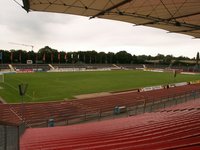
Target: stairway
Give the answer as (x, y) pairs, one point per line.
(11, 67)
(51, 67)
(116, 66)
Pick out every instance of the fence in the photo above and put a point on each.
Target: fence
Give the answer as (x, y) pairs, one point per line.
(10, 136)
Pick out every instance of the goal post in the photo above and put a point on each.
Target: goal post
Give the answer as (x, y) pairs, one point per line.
(1, 78)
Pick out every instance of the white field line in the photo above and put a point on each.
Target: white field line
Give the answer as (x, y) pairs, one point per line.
(16, 89)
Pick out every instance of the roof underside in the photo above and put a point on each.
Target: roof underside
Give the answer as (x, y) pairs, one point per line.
(179, 16)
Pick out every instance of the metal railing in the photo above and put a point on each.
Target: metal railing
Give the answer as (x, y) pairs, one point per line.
(10, 136)
(149, 105)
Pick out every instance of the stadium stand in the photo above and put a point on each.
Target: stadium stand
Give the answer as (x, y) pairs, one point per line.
(90, 67)
(130, 66)
(76, 65)
(100, 66)
(42, 67)
(84, 66)
(4, 67)
(76, 111)
(176, 127)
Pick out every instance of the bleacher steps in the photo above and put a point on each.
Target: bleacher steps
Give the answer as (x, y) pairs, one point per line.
(11, 67)
(51, 67)
(116, 66)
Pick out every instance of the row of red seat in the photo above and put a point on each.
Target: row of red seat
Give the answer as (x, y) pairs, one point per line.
(178, 129)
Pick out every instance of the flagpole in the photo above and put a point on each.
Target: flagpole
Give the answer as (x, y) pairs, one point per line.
(65, 57)
(174, 75)
(44, 58)
(52, 55)
(59, 58)
(20, 56)
(36, 60)
(11, 57)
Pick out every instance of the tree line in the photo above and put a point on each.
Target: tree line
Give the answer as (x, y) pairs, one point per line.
(49, 55)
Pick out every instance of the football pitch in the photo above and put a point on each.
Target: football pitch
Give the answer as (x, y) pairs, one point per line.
(45, 86)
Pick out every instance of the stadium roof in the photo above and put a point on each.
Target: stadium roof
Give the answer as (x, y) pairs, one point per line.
(179, 16)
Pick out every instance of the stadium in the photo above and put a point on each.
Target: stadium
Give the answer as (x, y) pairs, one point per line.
(58, 100)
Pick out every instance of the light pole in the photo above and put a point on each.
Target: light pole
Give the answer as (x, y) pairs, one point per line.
(22, 91)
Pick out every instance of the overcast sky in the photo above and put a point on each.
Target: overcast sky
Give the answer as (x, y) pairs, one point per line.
(74, 33)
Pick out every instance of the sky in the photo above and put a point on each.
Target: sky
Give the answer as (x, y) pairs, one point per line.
(75, 33)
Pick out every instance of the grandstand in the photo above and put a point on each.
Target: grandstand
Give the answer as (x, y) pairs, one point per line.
(30, 67)
(4, 67)
(56, 67)
(89, 67)
(176, 127)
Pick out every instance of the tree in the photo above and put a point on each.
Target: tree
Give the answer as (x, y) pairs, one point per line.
(102, 58)
(45, 54)
(141, 59)
(168, 59)
(110, 57)
(160, 57)
(31, 55)
(93, 55)
(134, 59)
(123, 57)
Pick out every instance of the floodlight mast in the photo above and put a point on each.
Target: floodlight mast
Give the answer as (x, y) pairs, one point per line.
(23, 45)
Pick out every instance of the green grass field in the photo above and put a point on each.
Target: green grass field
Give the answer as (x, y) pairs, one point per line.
(59, 86)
